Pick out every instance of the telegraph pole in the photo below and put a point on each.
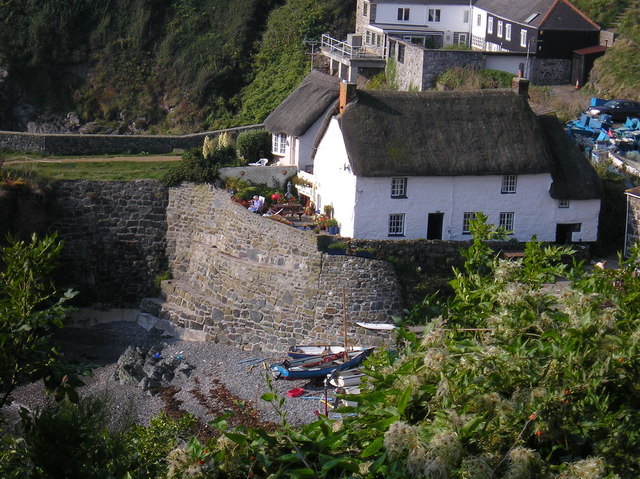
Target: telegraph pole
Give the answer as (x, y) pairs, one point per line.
(313, 44)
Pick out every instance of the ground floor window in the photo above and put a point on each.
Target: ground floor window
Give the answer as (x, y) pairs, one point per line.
(506, 221)
(396, 224)
(466, 220)
(279, 143)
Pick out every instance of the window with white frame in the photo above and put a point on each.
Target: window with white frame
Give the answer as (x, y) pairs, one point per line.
(467, 217)
(490, 25)
(396, 224)
(500, 28)
(465, 16)
(523, 38)
(563, 203)
(279, 145)
(506, 220)
(398, 187)
(479, 20)
(507, 32)
(403, 14)
(434, 14)
(509, 184)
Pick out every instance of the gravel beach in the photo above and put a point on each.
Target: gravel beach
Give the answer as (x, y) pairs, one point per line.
(222, 379)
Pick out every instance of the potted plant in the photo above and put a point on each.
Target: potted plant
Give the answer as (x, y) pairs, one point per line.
(332, 226)
(337, 248)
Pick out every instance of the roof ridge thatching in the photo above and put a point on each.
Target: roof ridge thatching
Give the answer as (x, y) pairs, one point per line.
(305, 105)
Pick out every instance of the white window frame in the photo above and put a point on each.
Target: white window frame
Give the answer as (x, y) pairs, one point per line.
(467, 216)
(490, 25)
(403, 14)
(506, 220)
(396, 224)
(463, 38)
(500, 28)
(399, 187)
(434, 15)
(465, 16)
(507, 32)
(563, 203)
(279, 143)
(479, 20)
(523, 38)
(509, 184)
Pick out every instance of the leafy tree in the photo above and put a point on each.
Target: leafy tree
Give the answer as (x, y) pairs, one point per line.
(31, 308)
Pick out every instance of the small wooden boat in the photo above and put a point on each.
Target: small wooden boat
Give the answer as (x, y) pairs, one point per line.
(351, 390)
(318, 366)
(341, 379)
(301, 351)
(389, 327)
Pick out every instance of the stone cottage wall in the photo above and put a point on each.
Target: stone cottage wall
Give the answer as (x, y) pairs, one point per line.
(633, 223)
(255, 283)
(114, 239)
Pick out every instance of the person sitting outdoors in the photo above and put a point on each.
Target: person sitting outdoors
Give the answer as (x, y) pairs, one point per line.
(256, 205)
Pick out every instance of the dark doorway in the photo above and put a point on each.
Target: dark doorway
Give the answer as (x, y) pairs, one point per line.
(434, 226)
(564, 232)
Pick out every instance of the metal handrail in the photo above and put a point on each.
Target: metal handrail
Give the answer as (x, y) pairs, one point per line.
(343, 48)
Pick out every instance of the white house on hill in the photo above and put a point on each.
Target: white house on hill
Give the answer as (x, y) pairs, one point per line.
(409, 165)
(295, 123)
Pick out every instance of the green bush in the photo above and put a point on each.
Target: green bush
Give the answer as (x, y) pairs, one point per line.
(253, 145)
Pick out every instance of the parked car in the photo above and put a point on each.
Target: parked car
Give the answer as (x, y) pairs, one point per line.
(618, 109)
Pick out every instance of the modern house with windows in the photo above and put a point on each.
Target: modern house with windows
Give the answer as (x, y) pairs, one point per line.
(409, 165)
(294, 124)
(536, 38)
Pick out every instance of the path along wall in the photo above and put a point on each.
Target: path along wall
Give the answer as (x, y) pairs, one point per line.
(252, 282)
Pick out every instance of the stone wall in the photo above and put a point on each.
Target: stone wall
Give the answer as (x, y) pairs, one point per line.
(632, 236)
(69, 144)
(551, 71)
(114, 239)
(255, 283)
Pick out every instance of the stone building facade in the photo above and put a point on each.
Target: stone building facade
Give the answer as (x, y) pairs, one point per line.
(632, 233)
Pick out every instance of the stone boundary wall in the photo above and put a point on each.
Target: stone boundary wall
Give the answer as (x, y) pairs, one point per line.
(114, 239)
(258, 284)
(72, 144)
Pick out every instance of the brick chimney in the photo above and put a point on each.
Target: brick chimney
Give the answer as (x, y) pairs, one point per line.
(347, 94)
(521, 87)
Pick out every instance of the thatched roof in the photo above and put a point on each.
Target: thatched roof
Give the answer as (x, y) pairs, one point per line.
(302, 108)
(573, 176)
(461, 133)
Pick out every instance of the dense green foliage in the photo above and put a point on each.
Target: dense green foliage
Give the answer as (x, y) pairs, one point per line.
(31, 308)
(510, 381)
(165, 65)
(253, 145)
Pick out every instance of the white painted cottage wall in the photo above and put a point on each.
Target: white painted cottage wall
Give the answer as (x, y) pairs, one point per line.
(362, 205)
(451, 16)
(304, 146)
(335, 183)
(535, 212)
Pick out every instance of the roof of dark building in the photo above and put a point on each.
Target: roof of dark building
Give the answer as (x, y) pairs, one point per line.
(460, 133)
(305, 105)
(551, 14)
(422, 2)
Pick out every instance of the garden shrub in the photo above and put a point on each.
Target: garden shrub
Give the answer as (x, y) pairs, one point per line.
(253, 145)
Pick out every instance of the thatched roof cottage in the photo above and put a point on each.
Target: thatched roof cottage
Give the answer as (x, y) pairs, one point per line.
(294, 124)
(409, 165)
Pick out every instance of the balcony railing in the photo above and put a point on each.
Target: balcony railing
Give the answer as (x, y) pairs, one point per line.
(344, 49)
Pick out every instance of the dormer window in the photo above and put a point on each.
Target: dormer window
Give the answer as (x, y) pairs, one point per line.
(279, 143)
(403, 14)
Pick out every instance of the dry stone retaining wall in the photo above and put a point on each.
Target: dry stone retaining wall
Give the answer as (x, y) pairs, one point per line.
(255, 283)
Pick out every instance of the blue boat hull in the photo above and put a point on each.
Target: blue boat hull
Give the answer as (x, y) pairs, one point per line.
(318, 371)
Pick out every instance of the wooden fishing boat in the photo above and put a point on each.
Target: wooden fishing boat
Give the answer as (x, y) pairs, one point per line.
(318, 366)
(351, 377)
(389, 327)
(301, 351)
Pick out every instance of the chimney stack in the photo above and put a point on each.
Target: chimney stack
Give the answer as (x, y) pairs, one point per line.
(521, 87)
(347, 95)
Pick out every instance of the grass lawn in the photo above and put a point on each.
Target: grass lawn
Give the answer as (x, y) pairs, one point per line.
(94, 170)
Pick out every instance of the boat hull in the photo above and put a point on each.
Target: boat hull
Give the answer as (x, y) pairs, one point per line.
(286, 371)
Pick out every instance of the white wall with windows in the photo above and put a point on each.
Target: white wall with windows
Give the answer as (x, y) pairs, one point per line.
(376, 208)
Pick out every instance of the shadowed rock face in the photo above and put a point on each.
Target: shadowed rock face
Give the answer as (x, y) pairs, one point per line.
(23, 212)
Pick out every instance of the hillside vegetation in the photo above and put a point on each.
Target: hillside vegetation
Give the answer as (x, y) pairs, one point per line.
(170, 66)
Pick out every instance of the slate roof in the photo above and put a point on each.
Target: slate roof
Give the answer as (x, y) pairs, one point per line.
(305, 105)
(461, 133)
(422, 2)
(554, 14)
